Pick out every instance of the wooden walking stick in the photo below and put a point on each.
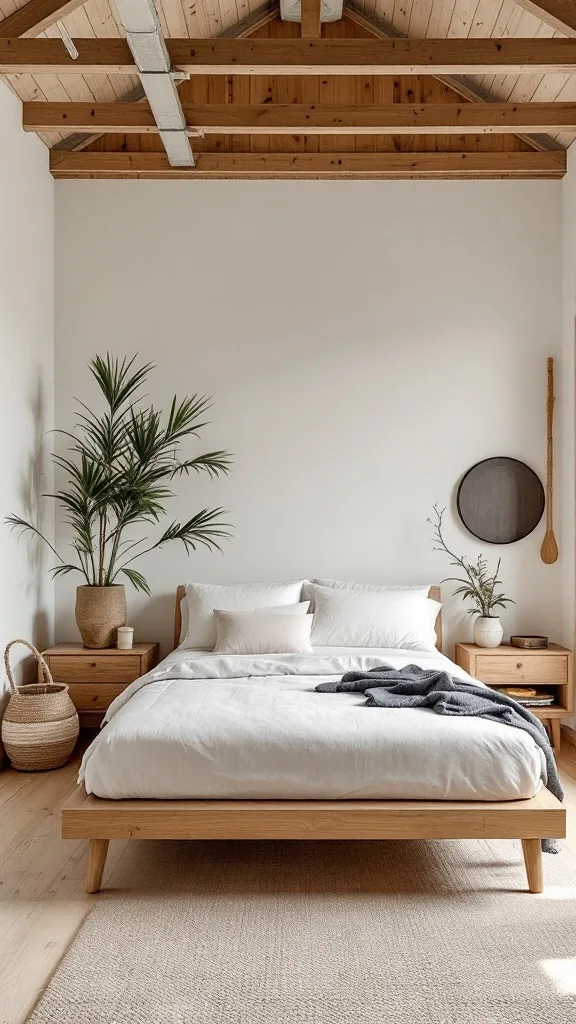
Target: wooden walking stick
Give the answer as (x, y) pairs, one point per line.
(549, 549)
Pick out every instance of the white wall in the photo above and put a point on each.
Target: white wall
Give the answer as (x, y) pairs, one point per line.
(366, 343)
(27, 360)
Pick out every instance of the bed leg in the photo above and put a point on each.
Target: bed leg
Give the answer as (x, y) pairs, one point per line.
(532, 850)
(96, 861)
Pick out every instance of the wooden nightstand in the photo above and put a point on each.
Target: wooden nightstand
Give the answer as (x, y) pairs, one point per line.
(551, 668)
(95, 678)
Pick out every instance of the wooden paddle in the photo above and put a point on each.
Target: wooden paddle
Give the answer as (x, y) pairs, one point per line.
(549, 549)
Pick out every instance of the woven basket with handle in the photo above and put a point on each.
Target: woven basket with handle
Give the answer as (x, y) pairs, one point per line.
(40, 725)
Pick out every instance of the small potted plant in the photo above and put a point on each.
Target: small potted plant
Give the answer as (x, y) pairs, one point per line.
(119, 465)
(479, 586)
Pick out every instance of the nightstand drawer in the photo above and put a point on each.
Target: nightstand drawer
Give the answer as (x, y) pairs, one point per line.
(94, 669)
(519, 669)
(94, 696)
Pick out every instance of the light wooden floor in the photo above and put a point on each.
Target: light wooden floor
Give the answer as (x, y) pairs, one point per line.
(42, 900)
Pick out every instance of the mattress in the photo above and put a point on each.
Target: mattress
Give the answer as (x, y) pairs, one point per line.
(244, 727)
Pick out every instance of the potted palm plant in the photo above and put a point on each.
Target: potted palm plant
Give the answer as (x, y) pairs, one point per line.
(119, 466)
(479, 586)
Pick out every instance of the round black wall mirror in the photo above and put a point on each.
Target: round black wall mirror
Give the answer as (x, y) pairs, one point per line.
(500, 500)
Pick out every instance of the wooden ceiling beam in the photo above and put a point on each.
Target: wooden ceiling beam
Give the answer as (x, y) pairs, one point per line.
(36, 16)
(560, 14)
(312, 165)
(314, 119)
(300, 56)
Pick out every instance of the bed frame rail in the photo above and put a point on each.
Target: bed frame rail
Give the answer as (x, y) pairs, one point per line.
(90, 817)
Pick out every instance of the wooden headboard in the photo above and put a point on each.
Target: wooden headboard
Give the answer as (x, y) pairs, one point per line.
(180, 593)
(433, 594)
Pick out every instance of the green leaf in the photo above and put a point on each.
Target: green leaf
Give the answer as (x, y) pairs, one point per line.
(21, 524)
(212, 463)
(115, 380)
(137, 580)
(63, 570)
(184, 416)
(205, 528)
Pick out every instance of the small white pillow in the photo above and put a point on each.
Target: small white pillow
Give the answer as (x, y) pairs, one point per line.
(358, 618)
(203, 598)
(262, 633)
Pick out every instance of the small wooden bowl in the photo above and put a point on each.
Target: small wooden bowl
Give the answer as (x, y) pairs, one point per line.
(529, 643)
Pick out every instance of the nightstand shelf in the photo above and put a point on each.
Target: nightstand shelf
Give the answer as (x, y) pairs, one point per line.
(551, 669)
(96, 677)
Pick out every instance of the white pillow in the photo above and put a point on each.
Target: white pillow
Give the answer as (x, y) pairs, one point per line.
(203, 598)
(282, 609)
(262, 633)
(376, 588)
(359, 618)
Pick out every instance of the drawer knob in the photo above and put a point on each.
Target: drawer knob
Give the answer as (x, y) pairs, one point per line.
(93, 664)
(518, 664)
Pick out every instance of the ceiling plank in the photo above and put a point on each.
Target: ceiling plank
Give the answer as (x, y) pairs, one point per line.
(300, 56)
(260, 16)
(310, 27)
(312, 165)
(382, 29)
(314, 119)
(36, 16)
(560, 14)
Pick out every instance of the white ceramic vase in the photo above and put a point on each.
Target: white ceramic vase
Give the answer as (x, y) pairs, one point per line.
(488, 631)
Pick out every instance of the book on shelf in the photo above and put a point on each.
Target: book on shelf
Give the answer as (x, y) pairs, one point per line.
(528, 702)
(528, 696)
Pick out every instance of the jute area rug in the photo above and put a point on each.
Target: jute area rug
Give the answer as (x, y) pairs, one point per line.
(322, 932)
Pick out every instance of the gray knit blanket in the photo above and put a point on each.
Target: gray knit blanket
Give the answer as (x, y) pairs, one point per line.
(416, 687)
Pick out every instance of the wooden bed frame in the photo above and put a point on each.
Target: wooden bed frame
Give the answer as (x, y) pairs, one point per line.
(99, 820)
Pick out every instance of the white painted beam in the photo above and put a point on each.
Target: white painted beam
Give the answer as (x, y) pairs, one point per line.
(148, 46)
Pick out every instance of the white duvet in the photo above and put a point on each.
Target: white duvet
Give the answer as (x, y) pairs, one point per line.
(205, 725)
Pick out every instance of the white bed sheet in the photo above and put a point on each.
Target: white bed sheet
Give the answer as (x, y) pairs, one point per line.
(207, 726)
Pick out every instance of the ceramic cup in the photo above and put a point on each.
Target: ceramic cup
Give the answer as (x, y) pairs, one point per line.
(125, 638)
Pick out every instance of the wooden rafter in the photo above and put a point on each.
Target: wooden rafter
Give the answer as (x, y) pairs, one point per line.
(312, 119)
(312, 165)
(300, 56)
(36, 16)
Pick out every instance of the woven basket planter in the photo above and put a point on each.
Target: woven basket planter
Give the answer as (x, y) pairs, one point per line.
(40, 725)
(99, 612)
